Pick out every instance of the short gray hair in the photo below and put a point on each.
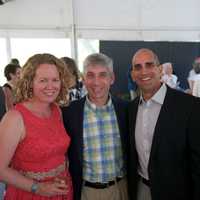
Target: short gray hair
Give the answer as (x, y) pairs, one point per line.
(98, 59)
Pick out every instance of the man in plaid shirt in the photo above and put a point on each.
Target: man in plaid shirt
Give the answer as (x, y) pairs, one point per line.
(98, 128)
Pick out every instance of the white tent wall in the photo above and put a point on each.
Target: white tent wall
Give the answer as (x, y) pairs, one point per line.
(36, 14)
(36, 19)
(172, 20)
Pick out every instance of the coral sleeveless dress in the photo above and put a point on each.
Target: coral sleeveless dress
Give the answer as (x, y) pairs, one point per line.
(41, 154)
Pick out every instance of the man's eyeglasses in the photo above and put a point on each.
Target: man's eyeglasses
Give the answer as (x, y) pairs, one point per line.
(147, 65)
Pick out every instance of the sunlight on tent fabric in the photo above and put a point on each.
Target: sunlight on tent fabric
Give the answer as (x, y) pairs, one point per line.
(23, 48)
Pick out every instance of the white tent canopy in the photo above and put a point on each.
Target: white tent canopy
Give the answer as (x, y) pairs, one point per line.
(172, 20)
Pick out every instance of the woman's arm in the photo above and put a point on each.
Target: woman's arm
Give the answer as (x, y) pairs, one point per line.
(12, 131)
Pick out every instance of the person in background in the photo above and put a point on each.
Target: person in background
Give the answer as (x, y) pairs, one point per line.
(132, 86)
(196, 88)
(168, 77)
(77, 90)
(195, 80)
(33, 140)
(12, 73)
(14, 61)
(164, 136)
(194, 74)
(98, 128)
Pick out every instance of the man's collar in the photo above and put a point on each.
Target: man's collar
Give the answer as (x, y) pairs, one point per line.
(158, 97)
(94, 107)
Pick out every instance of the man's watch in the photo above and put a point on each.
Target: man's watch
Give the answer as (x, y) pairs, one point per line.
(34, 187)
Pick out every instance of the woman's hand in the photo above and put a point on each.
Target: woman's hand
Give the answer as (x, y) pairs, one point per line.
(57, 187)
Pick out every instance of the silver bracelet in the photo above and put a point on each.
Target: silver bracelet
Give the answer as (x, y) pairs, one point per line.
(34, 187)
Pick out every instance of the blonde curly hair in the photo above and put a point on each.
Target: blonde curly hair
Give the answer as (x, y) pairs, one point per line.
(24, 87)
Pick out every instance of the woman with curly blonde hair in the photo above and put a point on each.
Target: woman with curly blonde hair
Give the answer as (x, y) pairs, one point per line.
(33, 141)
(24, 87)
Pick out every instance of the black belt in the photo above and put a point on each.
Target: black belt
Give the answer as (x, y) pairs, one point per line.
(101, 185)
(145, 181)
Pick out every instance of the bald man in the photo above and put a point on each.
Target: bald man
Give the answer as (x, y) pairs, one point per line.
(164, 154)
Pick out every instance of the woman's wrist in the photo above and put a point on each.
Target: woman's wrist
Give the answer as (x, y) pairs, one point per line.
(34, 187)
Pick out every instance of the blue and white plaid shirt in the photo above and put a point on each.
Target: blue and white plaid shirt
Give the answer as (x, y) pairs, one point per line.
(103, 159)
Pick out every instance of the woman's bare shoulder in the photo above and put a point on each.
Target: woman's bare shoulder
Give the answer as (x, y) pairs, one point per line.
(12, 122)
